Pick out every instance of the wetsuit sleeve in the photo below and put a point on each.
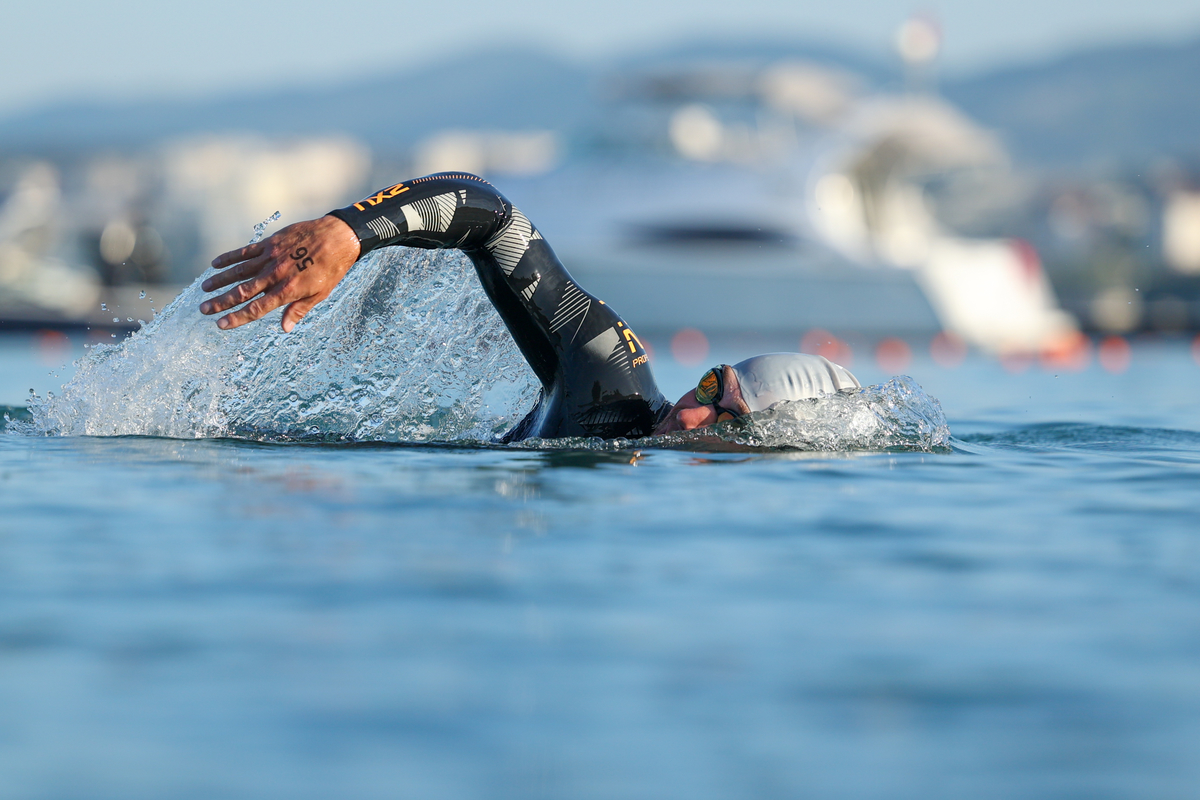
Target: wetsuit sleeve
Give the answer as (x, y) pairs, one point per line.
(450, 209)
(584, 355)
(464, 212)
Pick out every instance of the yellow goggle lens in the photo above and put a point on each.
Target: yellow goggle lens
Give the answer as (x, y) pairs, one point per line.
(706, 390)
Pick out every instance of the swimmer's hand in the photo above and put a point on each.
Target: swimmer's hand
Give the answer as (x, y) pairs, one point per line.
(297, 267)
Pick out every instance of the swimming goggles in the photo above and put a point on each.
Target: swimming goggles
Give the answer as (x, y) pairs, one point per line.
(711, 389)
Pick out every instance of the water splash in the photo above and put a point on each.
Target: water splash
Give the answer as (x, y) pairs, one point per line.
(260, 230)
(407, 348)
(895, 415)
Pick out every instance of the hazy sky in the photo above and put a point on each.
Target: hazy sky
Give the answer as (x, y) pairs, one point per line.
(134, 48)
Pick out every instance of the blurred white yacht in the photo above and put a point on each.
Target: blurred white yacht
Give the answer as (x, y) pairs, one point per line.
(784, 197)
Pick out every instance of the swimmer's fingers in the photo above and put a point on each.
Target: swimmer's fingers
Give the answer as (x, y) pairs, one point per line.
(254, 310)
(299, 265)
(297, 311)
(234, 256)
(240, 293)
(240, 272)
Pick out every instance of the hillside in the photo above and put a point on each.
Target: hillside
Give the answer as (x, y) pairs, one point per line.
(1128, 104)
(1121, 104)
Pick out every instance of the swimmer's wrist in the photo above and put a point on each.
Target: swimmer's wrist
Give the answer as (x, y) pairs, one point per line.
(344, 230)
(356, 221)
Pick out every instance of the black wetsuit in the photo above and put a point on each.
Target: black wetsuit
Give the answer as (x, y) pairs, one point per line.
(595, 377)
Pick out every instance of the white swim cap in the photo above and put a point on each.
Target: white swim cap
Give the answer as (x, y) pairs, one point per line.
(768, 379)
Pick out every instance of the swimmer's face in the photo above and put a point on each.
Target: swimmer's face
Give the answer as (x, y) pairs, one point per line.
(686, 415)
(689, 413)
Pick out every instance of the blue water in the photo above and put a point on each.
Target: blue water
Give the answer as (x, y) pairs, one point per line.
(1014, 615)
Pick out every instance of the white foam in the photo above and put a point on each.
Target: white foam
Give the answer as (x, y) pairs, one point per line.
(896, 416)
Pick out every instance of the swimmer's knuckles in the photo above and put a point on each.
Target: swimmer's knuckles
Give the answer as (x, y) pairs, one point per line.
(242, 293)
(291, 289)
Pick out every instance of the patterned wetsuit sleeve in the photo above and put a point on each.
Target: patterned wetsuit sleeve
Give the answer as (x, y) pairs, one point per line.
(462, 211)
(590, 365)
(450, 209)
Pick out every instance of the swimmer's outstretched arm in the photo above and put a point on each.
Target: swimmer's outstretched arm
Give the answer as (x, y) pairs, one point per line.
(595, 376)
(297, 267)
(300, 265)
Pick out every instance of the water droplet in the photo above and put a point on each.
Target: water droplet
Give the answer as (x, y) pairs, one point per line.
(112, 335)
(142, 295)
(260, 228)
(129, 319)
(116, 319)
(104, 306)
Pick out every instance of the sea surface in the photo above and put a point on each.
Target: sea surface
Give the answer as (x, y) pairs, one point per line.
(356, 608)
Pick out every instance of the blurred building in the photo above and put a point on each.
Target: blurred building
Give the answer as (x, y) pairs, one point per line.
(496, 153)
(33, 275)
(123, 229)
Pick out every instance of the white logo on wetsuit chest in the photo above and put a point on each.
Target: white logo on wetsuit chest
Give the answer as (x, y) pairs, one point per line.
(607, 346)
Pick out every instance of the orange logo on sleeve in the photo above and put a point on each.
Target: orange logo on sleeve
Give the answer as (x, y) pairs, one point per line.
(384, 194)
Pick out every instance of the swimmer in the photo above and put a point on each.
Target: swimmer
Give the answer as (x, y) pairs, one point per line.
(595, 376)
